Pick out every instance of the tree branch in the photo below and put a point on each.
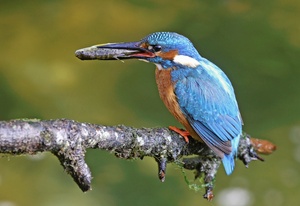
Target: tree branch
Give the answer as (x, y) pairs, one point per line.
(68, 140)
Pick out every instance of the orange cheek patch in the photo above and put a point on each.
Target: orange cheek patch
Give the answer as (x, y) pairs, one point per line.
(144, 45)
(168, 55)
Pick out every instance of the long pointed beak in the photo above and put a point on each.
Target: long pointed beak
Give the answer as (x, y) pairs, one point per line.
(114, 51)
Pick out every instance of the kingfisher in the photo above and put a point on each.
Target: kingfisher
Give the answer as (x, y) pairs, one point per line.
(196, 91)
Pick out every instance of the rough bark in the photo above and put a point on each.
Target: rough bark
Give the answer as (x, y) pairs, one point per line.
(68, 140)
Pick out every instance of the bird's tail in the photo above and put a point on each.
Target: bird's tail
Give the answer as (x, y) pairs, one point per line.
(228, 159)
(228, 163)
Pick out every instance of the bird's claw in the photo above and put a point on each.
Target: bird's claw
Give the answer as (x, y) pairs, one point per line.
(184, 133)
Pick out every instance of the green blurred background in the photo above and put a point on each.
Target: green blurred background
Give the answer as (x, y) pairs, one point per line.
(257, 43)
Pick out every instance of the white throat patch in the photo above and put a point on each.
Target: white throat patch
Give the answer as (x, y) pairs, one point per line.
(186, 61)
(159, 67)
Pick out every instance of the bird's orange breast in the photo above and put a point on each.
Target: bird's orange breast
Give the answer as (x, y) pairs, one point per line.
(166, 93)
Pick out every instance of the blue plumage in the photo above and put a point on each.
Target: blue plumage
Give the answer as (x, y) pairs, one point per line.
(211, 110)
(196, 91)
(205, 96)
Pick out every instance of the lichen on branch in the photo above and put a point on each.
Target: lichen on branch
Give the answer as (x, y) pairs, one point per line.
(68, 140)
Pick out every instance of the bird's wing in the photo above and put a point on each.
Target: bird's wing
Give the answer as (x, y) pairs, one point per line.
(211, 109)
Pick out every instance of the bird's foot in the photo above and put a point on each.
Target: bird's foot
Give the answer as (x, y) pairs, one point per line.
(185, 134)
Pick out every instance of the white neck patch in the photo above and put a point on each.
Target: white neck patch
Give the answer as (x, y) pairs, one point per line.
(159, 67)
(186, 61)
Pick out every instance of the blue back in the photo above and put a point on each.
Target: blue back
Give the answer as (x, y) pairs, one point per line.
(205, 95)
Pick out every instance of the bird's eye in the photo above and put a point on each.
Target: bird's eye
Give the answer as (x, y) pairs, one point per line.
(155, 48)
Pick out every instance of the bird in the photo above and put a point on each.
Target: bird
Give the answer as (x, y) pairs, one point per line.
(195, 90)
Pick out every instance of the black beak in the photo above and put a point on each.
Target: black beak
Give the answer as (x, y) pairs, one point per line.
(114, 51)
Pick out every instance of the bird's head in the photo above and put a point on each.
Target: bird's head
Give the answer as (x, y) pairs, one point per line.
(165, 49)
